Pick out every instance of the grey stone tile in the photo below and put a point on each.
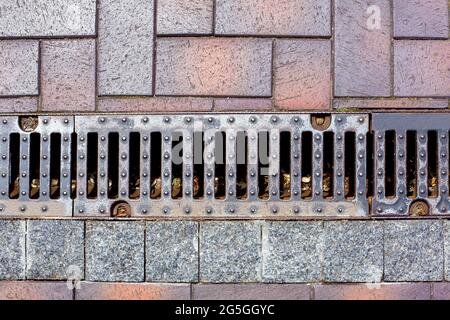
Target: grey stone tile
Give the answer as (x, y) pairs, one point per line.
(230, 252)
(292, 251)
(55, 249)
(185, 17)
(413, 250)
(125, 47)
(12, 250)
(47, 18)
(172, 251)
(115, 251)
(447, 250)
(19, 67)
(353, 251)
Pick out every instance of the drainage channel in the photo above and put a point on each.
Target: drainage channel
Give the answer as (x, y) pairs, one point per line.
(225, 165)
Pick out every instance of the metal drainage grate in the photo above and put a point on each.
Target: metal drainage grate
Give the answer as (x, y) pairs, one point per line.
(411, 164)
(35, 166)
(253, 165)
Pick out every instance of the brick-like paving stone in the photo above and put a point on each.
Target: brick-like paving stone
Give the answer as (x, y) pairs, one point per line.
(125, 47)
(68, 75)
(353, 251)
(281, 18)
(378, 291)
(214, 67)
(154, 104)
(404, 103)
(251, 291)
(241, 104)
(422, 68)
(230, 252)
(35, 290)
(302, 74)
(362, 48)
(132, 291)
(115, 251)
(421, 18)
(55, 249)
(19, 104)
(413, 251)
(185, 17)
(47, 18)
(19, 67)
(447, 250)
(293, 251)
(172, 251)
(12, 250)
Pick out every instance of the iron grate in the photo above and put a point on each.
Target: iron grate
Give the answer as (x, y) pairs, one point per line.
(240, 165)
(412, 157)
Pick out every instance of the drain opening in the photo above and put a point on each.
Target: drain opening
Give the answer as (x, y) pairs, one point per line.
(306, 164)
(92, 165)
(349, 165)
(328, 165)
(263, 165)
(433, 156)
(177, 165)
(241, 165)
(219, 166)
(198, 181)
(34, 165)
(155, 165)
(55, 165)
(390, 170)
(113, 165)
(411, 164)
(134, 151)
(14, 162)
(285, 165)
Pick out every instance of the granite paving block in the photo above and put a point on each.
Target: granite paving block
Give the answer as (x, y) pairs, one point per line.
(172, 251)
(214, 67)
(422, 68)
(353, 251)
(292, 251)
(125, 47)
(362, 64)
(230, 252)
(274, 17)
(47, 18)
(12, 250)
(68, 75)
(55, 249)
(19, 67)
(302, 74)
(421, 18)
(115, 251)
(413, 250)
(447, 250)
(185, 17)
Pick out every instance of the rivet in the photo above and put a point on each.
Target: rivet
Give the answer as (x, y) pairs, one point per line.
(3, 157)
(81, 138)
(3, 175)
(45, 121)
(296, 210)
(252, 119)
(231, 210)
(187, 192)
(296, 119)
(124, 119)
(339, 137)
(317, 193)
(339, 119)
(4, 139)
(44, 208)
(166, 119)
(24, 174)
(23, 208)
(44, 175)
(102, 210)
(123, 193)
(166, 193)
(24, 193)
(102, 174)
(361, 119)
(80, 193)
(317, 137)
(209, 192)
(24, 157)
(230, 193)
(443, 209)
(102, 193)
(210, 119)
(64, 193)
(5, 121)
(144, 193)
(124, 138)
(144, 211)
(361, 137)
(422, 136)
(81, 174)
(319, 210)
(295, 192)
(145, 138)
(422, 173)
(123, 174)
(103, 138)
(443, 155)
(209, 211)
(252, 210)
(401, 137)
(166, 138)
(380, 137)
(81, 157)
(123, 156)
(65, 157)
(66, 121)
(274, 119)
(102, 156)
(65, 175)
(187, 210)
(102, 119)
(231, 119)
(188, 119)
(379, 210)
(165, 210)
(145, 119)
(274, 210)
(81, 211)
(340, 210)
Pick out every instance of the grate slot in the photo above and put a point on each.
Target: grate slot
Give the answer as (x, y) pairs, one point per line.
(306, 163)
(92, 165)
(433, 157)
(5, 171)
(411, 164)
(155, 152)
(124, 159)
(390, 166)
(285, 165)
(113, 165)
(349, 165)
(73, 165)
(328, 165)
(177, 165)
(241, 165)
(134, 151)
(34, 168)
